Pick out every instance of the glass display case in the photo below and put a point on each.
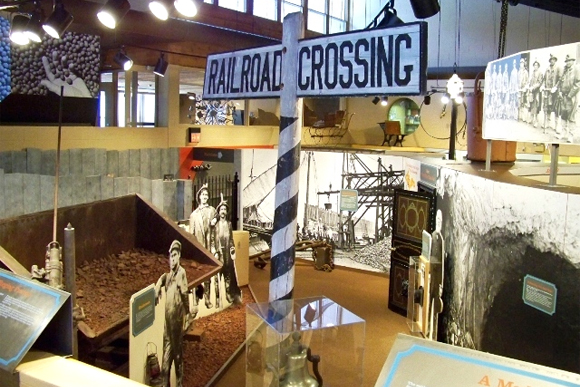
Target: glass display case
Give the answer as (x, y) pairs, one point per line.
(303, 342)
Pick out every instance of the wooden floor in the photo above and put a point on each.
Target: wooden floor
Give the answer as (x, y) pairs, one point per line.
(363, 293)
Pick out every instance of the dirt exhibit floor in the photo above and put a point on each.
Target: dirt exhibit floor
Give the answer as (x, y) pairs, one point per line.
(104, 289)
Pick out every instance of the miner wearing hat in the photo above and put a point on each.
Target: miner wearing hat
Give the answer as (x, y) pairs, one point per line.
(523, 77)
(199, 225)
(569, 86)
(550, 94)
(224, 249)
(176, 311)
(536, 80)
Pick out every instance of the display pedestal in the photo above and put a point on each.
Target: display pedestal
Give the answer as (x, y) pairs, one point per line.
(285, 337)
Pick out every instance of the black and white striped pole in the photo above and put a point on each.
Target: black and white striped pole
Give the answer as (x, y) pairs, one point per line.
(287, 170)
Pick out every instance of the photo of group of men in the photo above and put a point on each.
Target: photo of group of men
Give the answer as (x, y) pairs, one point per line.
(537, 93)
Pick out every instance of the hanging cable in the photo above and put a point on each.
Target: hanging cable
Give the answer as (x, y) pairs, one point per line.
(503, 29)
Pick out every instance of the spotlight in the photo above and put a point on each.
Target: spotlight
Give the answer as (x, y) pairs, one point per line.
(186, 7)
(425, 8)
(384, 101)
(17, 31)
(160, 8)
(58, 21)
(376, 100)
(123, 60)
(191, 95)
(112, 12)
(34, 29)
(459, 98)
(445, 98)
(161, 66)
(427, 100)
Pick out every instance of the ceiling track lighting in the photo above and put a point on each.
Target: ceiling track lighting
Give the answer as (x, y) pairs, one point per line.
(160, 8)
(18, 28)
(161, 66)
(58, 21)
(112, 12)
(123, 60)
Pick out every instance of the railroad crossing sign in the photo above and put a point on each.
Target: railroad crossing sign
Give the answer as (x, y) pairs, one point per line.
(369, 62)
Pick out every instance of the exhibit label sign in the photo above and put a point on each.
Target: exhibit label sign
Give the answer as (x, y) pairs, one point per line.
(370, 62)
(26, 308)
(415, 362)
(348, 200)
(539, 294)
(143, 310)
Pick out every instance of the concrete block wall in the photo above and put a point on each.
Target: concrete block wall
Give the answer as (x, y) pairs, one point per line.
(27, 179)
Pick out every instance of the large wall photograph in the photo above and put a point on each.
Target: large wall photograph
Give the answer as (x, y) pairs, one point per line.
(496, 236)
(533, 96)
(33, 75)
(361, 240)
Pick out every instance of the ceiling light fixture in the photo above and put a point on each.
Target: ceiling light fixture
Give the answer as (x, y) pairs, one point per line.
(123, 60)
(384, 101)
(160, 8)
(186, 7)
(425, 8)
(58, 21)
(161, 66)
(18, 28)
(34, 30)
(376, 100)
(112, 12)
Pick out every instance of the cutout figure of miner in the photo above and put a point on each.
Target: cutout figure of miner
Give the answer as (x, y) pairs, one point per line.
(224, 249)
(177, 314)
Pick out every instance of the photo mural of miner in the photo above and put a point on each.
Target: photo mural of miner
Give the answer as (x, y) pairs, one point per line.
(497, 236)
(533, 96)
(178, 314)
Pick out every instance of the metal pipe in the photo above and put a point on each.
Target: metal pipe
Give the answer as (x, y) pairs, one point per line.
(70, 277)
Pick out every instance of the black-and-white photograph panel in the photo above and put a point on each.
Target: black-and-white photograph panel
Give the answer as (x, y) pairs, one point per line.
(360, 238)
(512, 268)
(533, 96)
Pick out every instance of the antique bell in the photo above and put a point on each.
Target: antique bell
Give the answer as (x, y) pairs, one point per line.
(297, 374)
(152, 367)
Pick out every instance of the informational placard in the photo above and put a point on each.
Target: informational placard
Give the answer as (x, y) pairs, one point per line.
(348, 200)
(416, 362)
(370, 62)
(540, 294)
(26, 308)
(142, 311)
(532, 96)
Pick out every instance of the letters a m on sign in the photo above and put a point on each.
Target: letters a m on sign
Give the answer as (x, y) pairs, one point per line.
(370, 62)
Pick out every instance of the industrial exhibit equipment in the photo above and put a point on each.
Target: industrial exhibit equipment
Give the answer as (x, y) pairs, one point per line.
(102, 228)
(283, 335)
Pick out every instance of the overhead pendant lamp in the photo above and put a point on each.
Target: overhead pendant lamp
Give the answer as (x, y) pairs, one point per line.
(123, 60)
(34, 30)
(18, 28)
(425, 8)
(58, 21)
(186, 7)
(161, 66)
(160, 8)
(112, 12)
